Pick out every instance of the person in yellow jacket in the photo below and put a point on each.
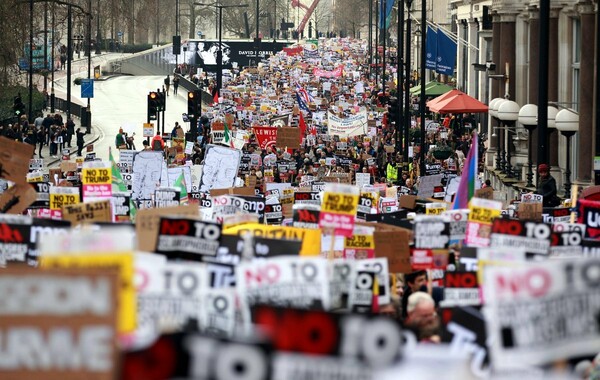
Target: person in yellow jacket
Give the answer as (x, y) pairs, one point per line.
(391, 173)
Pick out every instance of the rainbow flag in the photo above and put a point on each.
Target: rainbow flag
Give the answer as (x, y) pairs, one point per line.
(466, 187)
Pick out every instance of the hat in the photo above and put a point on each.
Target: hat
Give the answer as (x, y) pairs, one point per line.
(543, 168)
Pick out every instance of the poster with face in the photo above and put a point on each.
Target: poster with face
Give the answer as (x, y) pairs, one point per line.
(220, 168)
(148, 171)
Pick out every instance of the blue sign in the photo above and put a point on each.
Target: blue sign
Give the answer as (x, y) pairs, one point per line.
(87, 88)
(431, 46)
(120, 34)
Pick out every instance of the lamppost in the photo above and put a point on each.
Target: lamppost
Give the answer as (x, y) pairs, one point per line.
(528, 117)
(493, 112)
(551, 113)
(422, 100)
(220, 51)
(407, 119)
(508, 113)
(98, 52)
(567, 122)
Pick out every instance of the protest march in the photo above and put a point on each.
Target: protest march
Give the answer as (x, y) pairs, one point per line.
(291, 239)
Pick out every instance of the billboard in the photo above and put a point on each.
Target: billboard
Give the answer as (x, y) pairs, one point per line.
(203, 53)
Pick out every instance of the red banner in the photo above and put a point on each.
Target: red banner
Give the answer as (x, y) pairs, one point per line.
(329, 74)
(266, 136)
(291, 51)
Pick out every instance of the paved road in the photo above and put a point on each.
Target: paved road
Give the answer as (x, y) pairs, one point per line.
(120, 101)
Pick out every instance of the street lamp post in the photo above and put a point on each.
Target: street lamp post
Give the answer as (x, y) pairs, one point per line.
(567, 122)
(422, 100)
(493, 112)
(98, 52)
(406, 93)
(528, 117)
(508, 112)
(220, 51)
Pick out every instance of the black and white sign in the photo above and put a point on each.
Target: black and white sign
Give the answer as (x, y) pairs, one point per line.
(187, 239)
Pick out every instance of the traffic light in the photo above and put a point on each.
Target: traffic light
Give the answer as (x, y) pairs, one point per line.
(393, 110)
(152, 106)
(194, 104)
(18, 106)
(161, 103)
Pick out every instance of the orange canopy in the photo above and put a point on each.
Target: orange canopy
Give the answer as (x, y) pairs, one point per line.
(456, 101)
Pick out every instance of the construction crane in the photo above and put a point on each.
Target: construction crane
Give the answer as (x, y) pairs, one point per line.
(309, 11)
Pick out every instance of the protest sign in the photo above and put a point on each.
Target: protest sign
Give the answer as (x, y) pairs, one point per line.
(533, 237)
(526, 304)
(482, 213)
(431, 232)
(17, 198)
(361, 244)
(285, 281)
(96, 180)
(217, 312)
(461, 289)
(127, 315)
(380, 267)
(40, 229)
(173, 295)
(14, 238)
(589, 214)
(96, 211)
(427, 185)
(147, 174)
(187, 239)
(338, 210)
(457, 224)
(556, 215)
(367, 204)
(362, 291)
(147, 223)
(355, 125)
(167, 197)
(273, 213)
(288, 137)
(120, 204)
(70, 317)
(60, 197)
(436, 208)
(566, 244)
(306, 216)
(14, 159)
(36, 164)
(266, 136)
(465, 331)
(311, 239)
(530, 211)
(363, 179)
(220, 168)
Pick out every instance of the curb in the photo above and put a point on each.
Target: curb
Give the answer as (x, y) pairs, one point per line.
(51, 163)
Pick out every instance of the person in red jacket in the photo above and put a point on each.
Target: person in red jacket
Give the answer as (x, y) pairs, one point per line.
(157, 143)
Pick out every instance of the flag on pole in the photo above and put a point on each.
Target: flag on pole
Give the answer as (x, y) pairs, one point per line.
(431, 46)
(227, 140)
(118, 185)
(385, 13)
(446, 54)
(302, 125)
(308, 98)
(466, 187)
(180, 183)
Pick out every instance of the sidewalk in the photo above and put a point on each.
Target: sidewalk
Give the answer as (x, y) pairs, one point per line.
(95, 135)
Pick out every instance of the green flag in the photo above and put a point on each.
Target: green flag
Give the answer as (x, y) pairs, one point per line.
(180, 183)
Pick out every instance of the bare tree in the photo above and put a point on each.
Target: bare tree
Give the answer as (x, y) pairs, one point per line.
(351, 16)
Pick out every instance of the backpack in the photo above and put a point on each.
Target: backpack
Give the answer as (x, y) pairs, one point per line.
(156, 145)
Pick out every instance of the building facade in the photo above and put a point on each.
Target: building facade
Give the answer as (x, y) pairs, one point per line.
(506, 33)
